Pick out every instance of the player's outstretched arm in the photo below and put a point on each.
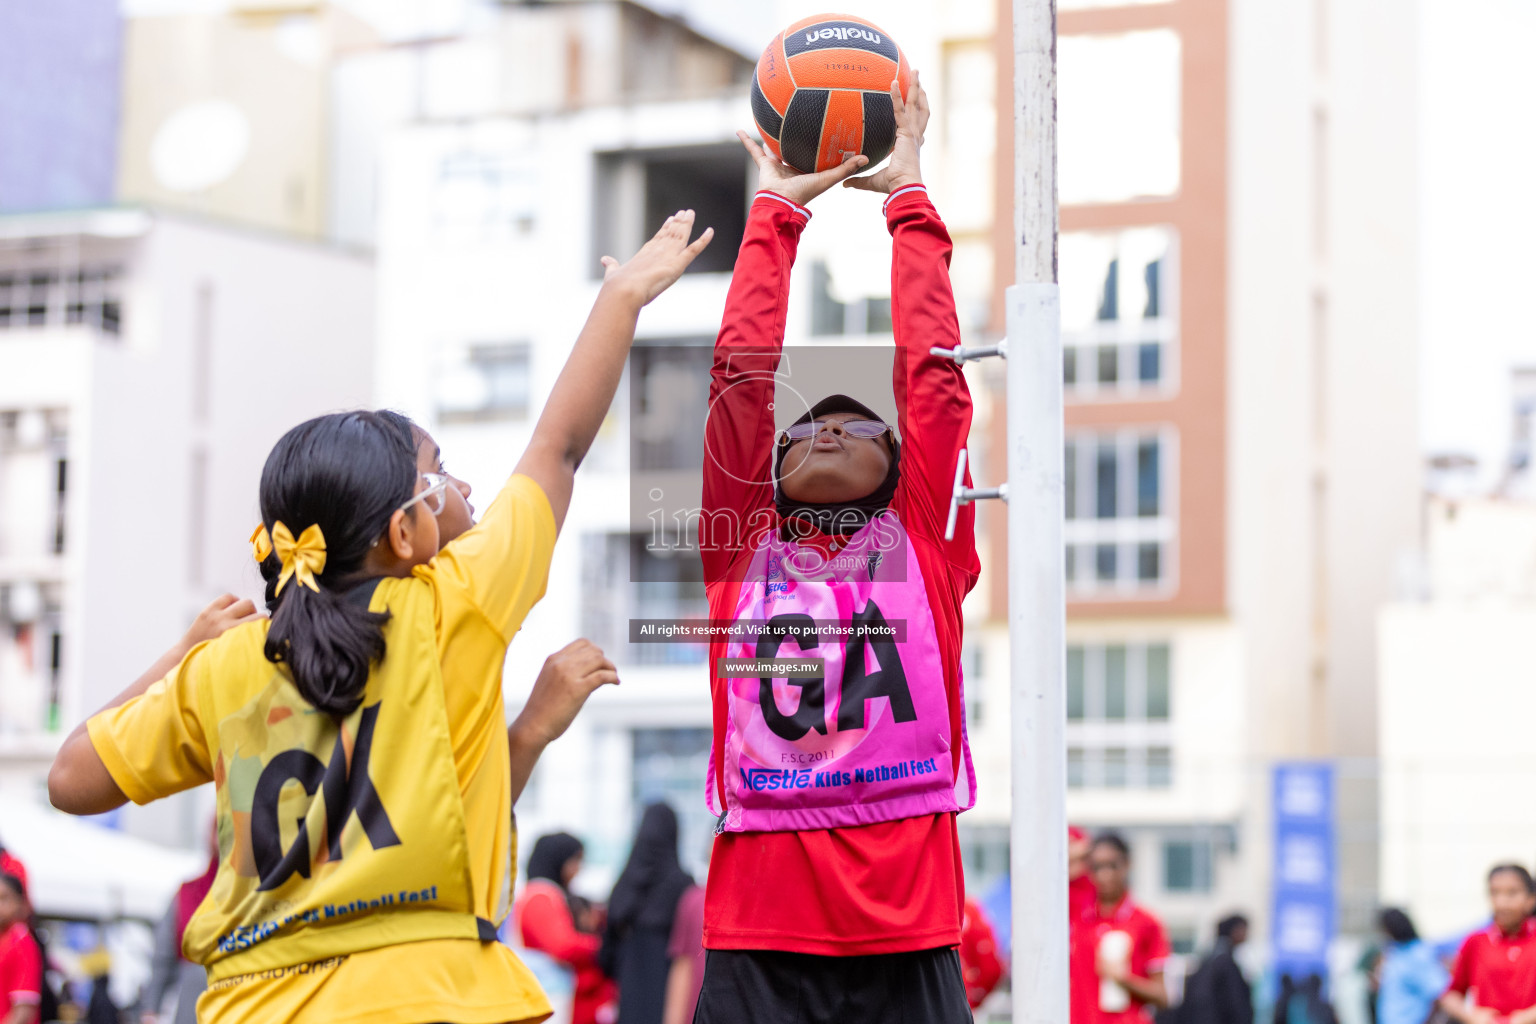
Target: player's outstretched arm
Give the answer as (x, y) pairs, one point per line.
(79, 782)
(585, 387)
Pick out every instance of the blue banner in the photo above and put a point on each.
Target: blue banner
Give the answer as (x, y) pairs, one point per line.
(1305, 867)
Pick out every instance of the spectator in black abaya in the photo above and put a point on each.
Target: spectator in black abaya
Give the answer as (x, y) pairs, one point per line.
(1218, 993)
(640, 915)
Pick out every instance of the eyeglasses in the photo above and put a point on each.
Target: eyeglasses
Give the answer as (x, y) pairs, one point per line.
(434, 497)
(855, 428)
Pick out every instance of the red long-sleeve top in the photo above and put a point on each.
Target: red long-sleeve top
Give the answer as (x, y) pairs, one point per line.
(893, 886)
(545, 923)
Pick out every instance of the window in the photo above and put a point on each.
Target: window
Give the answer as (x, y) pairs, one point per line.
(485, 195)
(34, 475)
(1118, 327)
(1109, 365)
(668, 387)
(1119, 528)
(1100, 767)
(31, 658)
(1148, 480)
(1119, 97)
(1115, 764)
(829, 315)
(1118, 704)
(1186, 866)
(1077, 772)
(1076, 697)
(1157, 682)
(975, 705)
(1159, 767)
(638, 583)
(984, 850)
(50, 296)
(1182, 940)
(639, 189)
(1117, 682)
(1114, 683)
(489, 383)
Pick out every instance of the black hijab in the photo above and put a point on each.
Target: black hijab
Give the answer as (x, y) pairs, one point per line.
(550, 854)
(548, 860)
(653, 880)
(838, 517)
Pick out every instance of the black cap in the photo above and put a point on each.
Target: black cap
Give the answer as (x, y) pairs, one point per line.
(840, 403)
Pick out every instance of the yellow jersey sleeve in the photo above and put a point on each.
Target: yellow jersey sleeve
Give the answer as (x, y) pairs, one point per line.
(154, 745)
(502, 564)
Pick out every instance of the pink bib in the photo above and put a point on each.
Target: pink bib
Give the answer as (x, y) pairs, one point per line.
(869, 739)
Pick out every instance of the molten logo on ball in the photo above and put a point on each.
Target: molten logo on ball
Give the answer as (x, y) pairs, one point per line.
(822, 92)
(841, 34)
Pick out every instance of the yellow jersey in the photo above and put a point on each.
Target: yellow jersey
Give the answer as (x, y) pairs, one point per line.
(365, 863)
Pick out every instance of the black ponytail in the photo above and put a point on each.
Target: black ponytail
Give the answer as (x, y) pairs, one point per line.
(346, 472)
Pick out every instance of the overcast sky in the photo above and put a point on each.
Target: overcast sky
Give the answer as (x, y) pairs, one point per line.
(1478, 219)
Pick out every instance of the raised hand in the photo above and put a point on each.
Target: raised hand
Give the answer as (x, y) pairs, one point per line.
(222, 613)
(911, 123)
(660, 262)
(568, 678)
(790, 183)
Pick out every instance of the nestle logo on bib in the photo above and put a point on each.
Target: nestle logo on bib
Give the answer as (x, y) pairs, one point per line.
(759, 779)
(842, 35)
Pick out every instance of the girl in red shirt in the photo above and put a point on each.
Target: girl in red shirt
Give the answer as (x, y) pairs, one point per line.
(21, 961)
(1495, 977)
(557, 922)
(835, 888)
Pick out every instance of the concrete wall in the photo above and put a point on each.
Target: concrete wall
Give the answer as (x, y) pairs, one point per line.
(288, 329)
(1324, 382)
(1456, 706)
(225, 116)
(229, 338)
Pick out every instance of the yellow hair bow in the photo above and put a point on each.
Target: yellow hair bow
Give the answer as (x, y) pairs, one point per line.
(304, 558)
(261, 544)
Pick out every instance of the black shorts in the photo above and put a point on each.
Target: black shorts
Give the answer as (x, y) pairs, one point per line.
(752, 986)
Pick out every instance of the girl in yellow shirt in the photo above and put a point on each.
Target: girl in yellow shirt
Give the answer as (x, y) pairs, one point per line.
(355, 739)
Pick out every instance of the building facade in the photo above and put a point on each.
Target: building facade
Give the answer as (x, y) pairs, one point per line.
(1237, 253)
(147, 365)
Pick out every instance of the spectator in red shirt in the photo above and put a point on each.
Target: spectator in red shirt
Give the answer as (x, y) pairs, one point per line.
(1080, 891)
(979, 961)
(1494, 981)
(835, 888)
(21, 961)
(1118, 943)
(556, 922)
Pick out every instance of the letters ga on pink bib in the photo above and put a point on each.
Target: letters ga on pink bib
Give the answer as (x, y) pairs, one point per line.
(869, 739)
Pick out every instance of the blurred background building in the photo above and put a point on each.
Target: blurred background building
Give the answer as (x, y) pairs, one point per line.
(217, 219)
(1238, 220)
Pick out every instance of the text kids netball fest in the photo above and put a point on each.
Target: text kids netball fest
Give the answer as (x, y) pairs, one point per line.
(366, 771)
